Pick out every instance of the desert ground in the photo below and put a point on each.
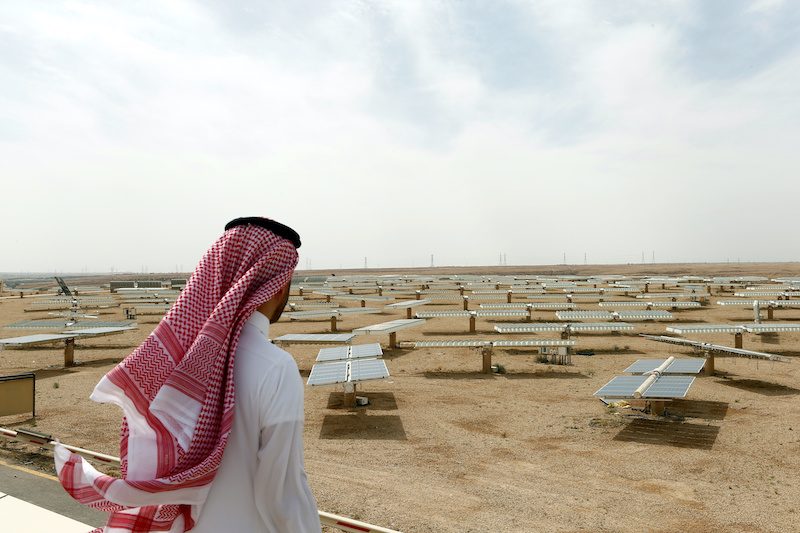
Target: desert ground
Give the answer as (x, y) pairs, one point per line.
(442, 447)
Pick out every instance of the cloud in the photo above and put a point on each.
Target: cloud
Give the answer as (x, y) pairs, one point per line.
(395, 130)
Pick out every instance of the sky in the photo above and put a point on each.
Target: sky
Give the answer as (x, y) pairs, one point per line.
(131, 132)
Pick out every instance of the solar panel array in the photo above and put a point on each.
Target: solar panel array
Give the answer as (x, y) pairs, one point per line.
(705, 328)
(643, 315)
(665, 387)
(716, 348)
(581, 315)
(389, 327)
(503, 343)
(662, 295)
(443, 314)
(358, 351)
(56, 324)
(409, 304)
(772, 328)
(348, 364)
(315, 338)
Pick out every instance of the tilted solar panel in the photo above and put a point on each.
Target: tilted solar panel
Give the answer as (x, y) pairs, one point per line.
(365, 350)
(665, 387)
(669, 387)
(368, 369)
(328, 373)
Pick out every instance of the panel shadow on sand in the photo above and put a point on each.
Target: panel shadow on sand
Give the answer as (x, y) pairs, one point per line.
(705, 409)
(378, 401)
(765, 388)
(362, 427)
(666, 433)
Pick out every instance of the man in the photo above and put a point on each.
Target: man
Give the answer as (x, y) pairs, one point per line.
(208, 381)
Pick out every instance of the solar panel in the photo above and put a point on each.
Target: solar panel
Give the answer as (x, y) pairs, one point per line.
(409, 303)
(579, 315)
(678, 366)
(600, 326)
(389, 327)
(56, 324)
(358, 310)
(529, 328)
(328, 373)
(368, 369)
(623, 304)
(364, 297)
(444, 297)
(486, 297)
(717, 348)
(315, 338)
(747, 303)
(669, 387)
(503, 343)
(298, 315)
(492, 291)
(644, 315)
(501, 312)
(621, 387)
(665, 387)
(771, 328)
(349, 352)
(98, 331)
(682, 305)
(533, 342)
(365, 350)
(552, 305)
(30, 340)
(450, 344)
(442, 314)
(582, 290)
(759, 293)
(311, 305)
(513, 305)
(705, 328)
(661, 295)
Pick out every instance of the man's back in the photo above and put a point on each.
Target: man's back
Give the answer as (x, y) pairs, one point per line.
(261, 484)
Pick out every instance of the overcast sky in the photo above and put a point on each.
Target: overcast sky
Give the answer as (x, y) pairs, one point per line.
(131, 132)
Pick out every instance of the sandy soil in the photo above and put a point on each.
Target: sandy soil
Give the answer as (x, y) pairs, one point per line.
(442, 447)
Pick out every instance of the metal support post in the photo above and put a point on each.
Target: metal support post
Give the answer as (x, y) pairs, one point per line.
(737, 340)
(708, 369)
(658, 407)
(350, 395)
(393, 340)
(486, 354)
(69, 352)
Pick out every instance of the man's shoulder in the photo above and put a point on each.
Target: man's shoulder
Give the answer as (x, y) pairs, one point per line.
(259, 351)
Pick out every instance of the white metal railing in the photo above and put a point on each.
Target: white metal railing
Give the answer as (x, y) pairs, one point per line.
(327, 519)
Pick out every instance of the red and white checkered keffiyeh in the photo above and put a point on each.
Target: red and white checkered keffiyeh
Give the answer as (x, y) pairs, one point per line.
(176, 390)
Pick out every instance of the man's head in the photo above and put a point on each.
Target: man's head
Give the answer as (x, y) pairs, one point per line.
(272, 308)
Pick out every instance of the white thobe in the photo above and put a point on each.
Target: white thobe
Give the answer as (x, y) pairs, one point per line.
(261, 485)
